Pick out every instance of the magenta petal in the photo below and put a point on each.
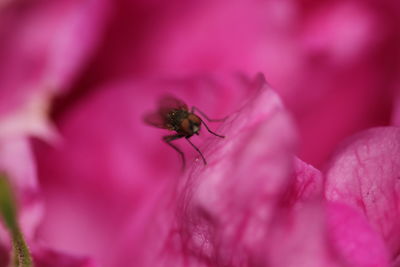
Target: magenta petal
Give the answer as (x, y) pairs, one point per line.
(4, 255)
(364, 173)
(396, 262)
(16, 160)
(49, 258)
(225, 207)
(354, 237)
(308, 185)
(44, 45)
(291, 240)
(119, 185)
(300, 238)
(109, 180)
(339, 236)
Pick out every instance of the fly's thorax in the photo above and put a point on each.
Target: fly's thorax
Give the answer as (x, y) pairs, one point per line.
(191, 125)
(175, 117)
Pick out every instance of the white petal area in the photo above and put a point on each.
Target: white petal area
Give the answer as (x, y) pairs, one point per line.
(30, 119)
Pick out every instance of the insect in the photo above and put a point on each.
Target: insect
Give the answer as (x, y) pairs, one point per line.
(173, 114)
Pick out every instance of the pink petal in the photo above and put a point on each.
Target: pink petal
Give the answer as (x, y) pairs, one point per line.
(308, 183)
(342, 234)
(225, 208)
(354, 237)
(43, 46)
(344, 49)
(119, 187)
(232, 211)
(4, 255)
(300, 237)
(364, 174)
(18, 163)
(16, 160)
(48, 258)
(109, 180)
(396, 262)
(29, 119)
(330, 56)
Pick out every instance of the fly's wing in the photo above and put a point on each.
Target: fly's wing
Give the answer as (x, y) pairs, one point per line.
(170, 102)
(166, 104)
(155, 119)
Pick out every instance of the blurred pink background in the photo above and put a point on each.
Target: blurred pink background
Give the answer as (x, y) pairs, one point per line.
(334, 63)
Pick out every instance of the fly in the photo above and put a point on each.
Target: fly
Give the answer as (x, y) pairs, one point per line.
(173, 114)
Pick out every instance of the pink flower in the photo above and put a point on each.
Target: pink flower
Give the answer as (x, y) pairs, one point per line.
(247, 206)
(100, 187)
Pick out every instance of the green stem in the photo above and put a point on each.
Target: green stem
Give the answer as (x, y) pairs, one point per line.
(8, 213)
(22, 257)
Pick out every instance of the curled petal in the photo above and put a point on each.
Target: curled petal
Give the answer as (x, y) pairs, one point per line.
(113, 180)
(225, 208)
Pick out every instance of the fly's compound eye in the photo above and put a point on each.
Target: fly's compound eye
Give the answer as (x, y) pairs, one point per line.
(195, 127)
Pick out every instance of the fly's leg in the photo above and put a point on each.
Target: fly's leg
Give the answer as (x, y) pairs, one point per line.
(168, 139)
(208, 119)
(198, 150)
(194, 109)
(211, 132)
